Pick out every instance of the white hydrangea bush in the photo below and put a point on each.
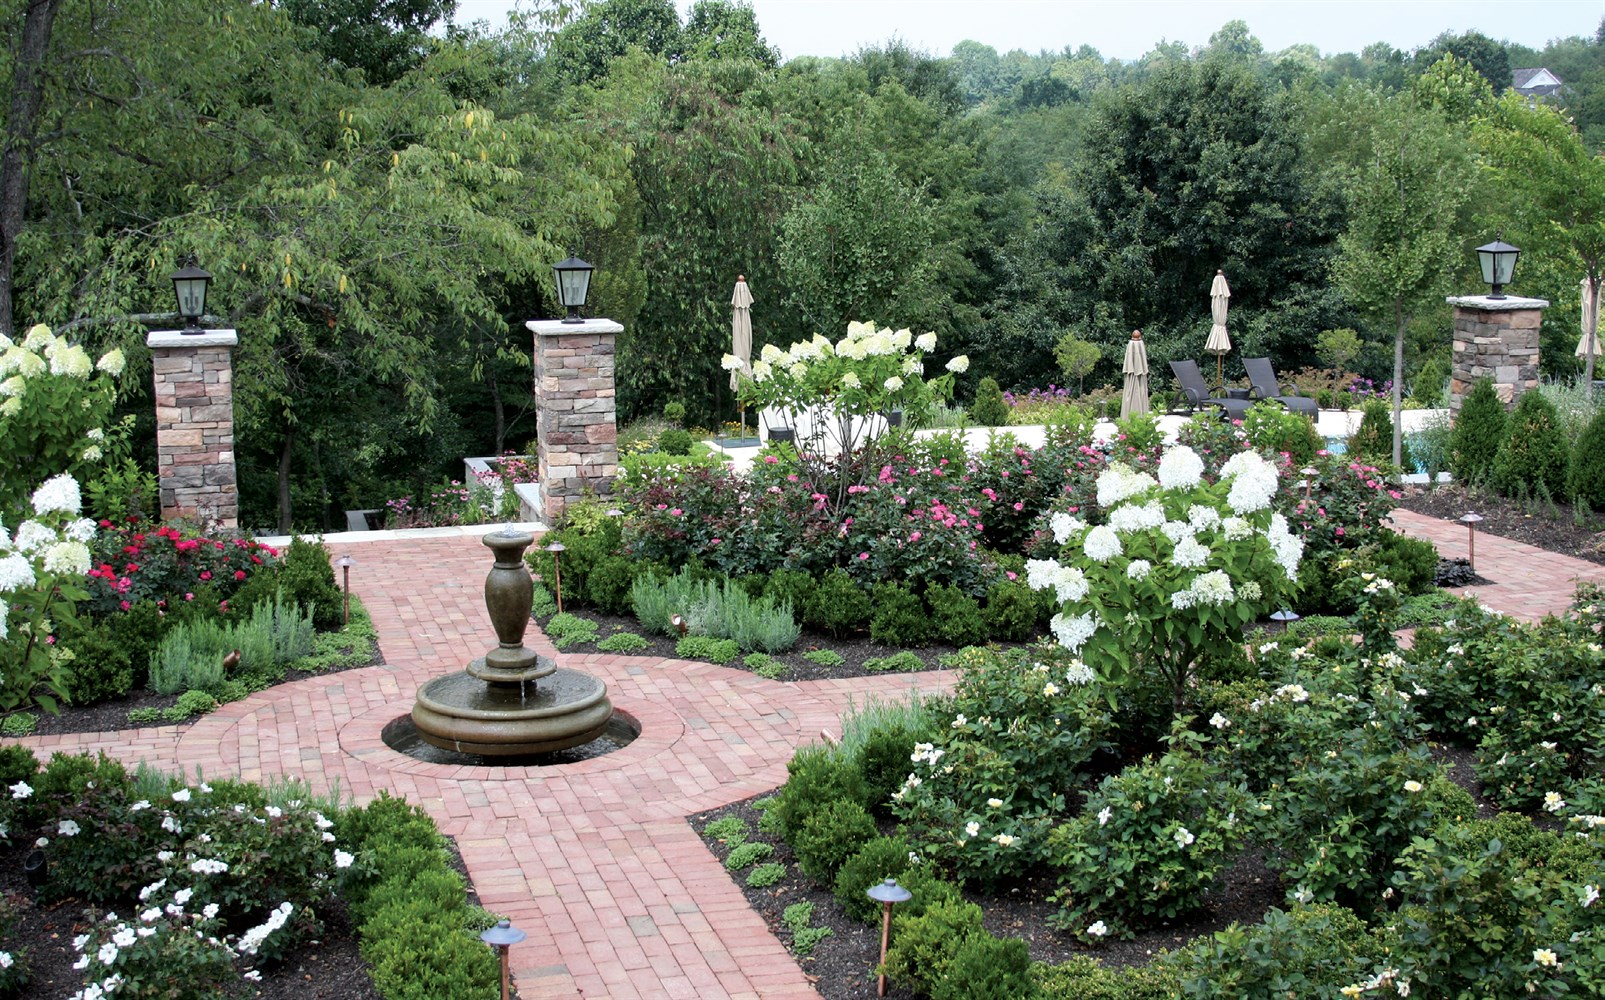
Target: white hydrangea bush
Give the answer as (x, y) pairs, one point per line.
(1176, 570)
(42, 570)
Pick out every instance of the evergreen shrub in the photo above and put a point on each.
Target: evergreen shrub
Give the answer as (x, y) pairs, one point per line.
(1585, 481)
(1478, 431)
(989, 409)
(900, 618)
(1533, 454)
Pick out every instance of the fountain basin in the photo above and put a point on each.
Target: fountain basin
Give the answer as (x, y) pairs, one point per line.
(462, 713)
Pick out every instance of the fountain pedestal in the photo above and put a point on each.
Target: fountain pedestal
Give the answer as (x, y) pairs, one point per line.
(511, 701)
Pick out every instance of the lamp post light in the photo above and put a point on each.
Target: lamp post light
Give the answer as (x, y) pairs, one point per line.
(573, 282)
(502, 937)
(1309, 472)
(1287, 616)
(345, 563)
(557, 549)
(189, 287)
(887, 893)
(1470, 520)
(1498, 261)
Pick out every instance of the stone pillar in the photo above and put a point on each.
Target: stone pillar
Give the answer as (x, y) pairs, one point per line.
(1497, 339)
(195, 424)
(576, 410)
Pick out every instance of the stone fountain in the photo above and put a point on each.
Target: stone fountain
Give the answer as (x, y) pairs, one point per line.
(511, 702)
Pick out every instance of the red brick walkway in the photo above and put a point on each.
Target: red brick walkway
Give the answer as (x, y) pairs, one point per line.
(594, 860)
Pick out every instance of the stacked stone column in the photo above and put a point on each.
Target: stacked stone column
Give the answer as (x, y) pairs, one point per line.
(1496, 339)
(576, 410)
(195, 425)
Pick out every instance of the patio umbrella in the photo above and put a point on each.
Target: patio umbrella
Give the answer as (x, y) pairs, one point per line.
(741, 339)
(1590, 320)
(1134, 397)
(1219, 344)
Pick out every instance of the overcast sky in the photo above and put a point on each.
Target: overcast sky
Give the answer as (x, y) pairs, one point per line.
(1125, 29)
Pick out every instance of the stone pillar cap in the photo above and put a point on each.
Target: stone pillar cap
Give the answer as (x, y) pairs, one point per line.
(176, 338)
(1509, 303)
(556, 327)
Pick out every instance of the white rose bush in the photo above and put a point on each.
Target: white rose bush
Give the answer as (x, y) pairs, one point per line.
(1177, 570)
(847, 386)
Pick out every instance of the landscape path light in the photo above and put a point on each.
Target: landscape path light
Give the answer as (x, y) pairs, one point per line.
(502, 937)
(1470, 520)
(1309, 472)
(1498, 261)
(573, 282)
(345, 563)
(189, 287)
(886, 893)
(557, 549)
(1287, 616)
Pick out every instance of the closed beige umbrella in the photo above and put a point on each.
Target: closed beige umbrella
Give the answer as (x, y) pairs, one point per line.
(1590, 320)
(741, 340)
(1218, 344)
(1134, 397)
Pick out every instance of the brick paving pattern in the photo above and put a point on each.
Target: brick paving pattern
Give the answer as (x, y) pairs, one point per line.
(595, 860)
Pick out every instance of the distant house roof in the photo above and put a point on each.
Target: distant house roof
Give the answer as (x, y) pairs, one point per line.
(1537, 82)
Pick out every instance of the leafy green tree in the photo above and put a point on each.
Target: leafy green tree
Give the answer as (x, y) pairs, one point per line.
(586, 48)
(382, 38)
(721, 29)
(1485, 55)
(1076, 358)
(1408, 179)
(1336, 348)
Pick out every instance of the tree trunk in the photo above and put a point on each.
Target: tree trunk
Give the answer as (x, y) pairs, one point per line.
(284, 478)
(500, 410)
(22, 118)
(1400, 321)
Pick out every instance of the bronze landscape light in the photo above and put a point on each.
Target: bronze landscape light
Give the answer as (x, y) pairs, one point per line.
(345, 563)
(557, 549)
(1470, 520)
(502, 937)
(886, 893)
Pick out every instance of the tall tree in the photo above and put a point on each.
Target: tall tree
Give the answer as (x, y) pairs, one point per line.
(1408, 177)
(382, 38)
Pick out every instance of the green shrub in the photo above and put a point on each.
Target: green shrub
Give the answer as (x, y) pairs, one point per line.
(1533, 453)
(675, 441)
(789, 586)
(1012, 611)
(1272, 427)
(567, 630)
(541, 602)
(190, 704)
(607, 584)
(144, 716)
(748, 854)
(985, 967)
(988, 408)
(17, 763)
(899, 618)
(830, 836)
(1411, 563)
(797, 917)
(899, 662)
(766, 874)
(924, 945)
(883, 762)
(818, 777)
(1313, 951)
(706, 647)
(1431, 381)
(1372, 441)
(837, 605)
(191, 657)
(1585, 480)
(622, 642)
(102, 666)
(305, 578)
(731, 830)
(674, 411)
(19, 724)
(1084, 978)
(1479, 430)
(455, 966)
(824, 657)
(879, 859)
(956, 615)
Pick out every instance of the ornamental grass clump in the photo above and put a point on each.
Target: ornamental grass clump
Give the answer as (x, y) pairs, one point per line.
(1177, 570)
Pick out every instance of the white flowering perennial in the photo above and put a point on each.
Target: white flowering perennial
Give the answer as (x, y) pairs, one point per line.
(1180, 468)
(58, 493)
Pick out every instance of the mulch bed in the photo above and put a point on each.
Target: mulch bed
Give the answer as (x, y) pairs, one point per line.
(1553, 528)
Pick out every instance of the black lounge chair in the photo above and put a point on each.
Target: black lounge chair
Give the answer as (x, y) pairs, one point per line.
(1194, 392)
(1262, 379)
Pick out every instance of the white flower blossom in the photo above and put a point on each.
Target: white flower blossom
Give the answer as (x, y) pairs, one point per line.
(1138, 569)
(972, 829)
(112, 362)
(67, 559)
(1003, 840)
(1180, 468)
(1176, 531)
(1190, 553)
(1553, 802)
(1079, 673)
(21, 790)
(1119, 482)
(58, 493)
(34, 537)
(1202, 518)
(959, 364)
(1097, 929)
(1184, 837)
(1253, 482)
(1101, 544)
(1104, 814)
(68, 828)
(1219, 721)
(893, 384)
(343, 859)
(1070, 584)
(1064, 525)
(1132, 517)
(1413, 786)
(1073, 632)
(182, 795)
(731, 363)
(926, 342)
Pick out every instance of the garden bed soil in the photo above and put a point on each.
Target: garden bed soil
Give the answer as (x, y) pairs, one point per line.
(1554, 528)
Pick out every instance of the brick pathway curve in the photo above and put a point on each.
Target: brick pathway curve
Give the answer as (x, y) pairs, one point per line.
(595, 860)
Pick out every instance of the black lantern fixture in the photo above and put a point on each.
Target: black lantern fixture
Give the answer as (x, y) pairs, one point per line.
(1498, 263)
(573, 282)
(189, 286)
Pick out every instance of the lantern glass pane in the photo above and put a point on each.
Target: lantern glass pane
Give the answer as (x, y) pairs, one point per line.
(191, 296)
(1504, 266)
(572, 286)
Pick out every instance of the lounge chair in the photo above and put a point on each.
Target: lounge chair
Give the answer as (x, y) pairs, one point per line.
(1262, 380)
(1194, 392)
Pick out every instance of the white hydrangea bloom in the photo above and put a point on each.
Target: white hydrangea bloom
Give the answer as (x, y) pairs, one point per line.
(771, 353)
(926, 342)
(1180, 468)
(1132, 517)
(1120, 482)
(902, 338)
(58, 493)
(913, 366)
(1040, 573)
(731, 363)
(5, 628)
(1253, 482)
(1138, 569)
(761, 370)
(1213, 588)
(16, 572)
(5, 538)
(1177, 530)
(1190, 553)
(850, 381)
(1079, 673)
(112, 362)
(70, 361)
(1101, 544)
(959, 365)
(893, 384)
(1202, 517)
(1064, 525)
(1236, 528)
(13, 386)
(1073, 632)
(1070, 584)
(67, 559)
(38, 337)
(33, 536)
